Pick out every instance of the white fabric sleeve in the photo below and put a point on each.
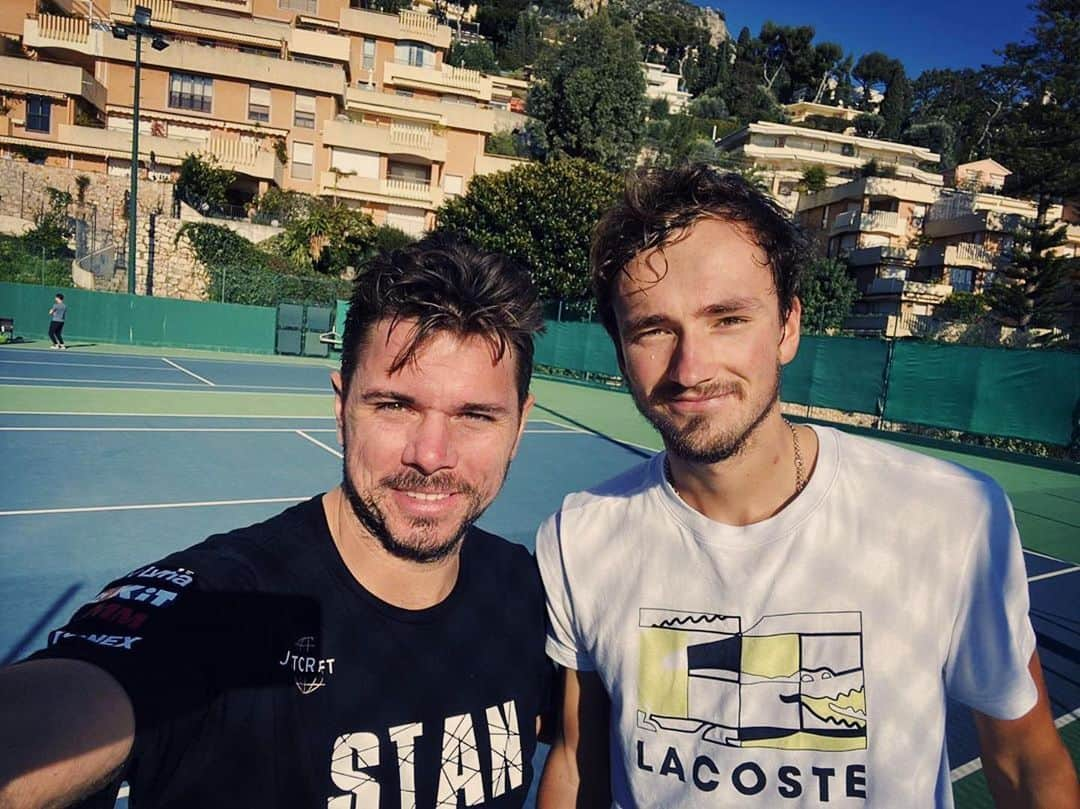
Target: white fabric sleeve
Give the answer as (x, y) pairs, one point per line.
(564, 644)
(993, 640)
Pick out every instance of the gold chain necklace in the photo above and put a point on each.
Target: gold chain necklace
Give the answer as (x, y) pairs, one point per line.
(800, 469)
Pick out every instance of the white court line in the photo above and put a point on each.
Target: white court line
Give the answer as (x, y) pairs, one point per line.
(1054, 573)
(319, 443)
(179, 367)
(67, 413)
(86, 365)
(149, 506)
(1045, 556)
(975, 764)
(162, 429)
(190, 386)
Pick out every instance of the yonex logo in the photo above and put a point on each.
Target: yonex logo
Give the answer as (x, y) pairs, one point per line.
(119, 641)
(154, 596)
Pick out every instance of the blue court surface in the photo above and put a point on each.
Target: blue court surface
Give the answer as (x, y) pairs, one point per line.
(96, 484)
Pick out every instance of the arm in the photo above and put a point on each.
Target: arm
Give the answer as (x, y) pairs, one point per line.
(1025, 762)
(577, 770)
(66, 729)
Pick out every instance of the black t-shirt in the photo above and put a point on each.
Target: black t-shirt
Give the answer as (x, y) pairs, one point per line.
(263, 675)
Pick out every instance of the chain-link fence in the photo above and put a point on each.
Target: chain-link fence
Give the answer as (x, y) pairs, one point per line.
(261, 287)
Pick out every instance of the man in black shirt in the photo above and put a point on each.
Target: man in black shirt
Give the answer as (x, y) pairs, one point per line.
(367, 648)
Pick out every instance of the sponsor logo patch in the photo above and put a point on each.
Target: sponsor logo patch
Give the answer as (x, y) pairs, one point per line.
(116, 641)
(139, 593)
(309, 672)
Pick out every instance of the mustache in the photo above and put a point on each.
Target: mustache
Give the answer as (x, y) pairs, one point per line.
(667, 391)
(437, 483)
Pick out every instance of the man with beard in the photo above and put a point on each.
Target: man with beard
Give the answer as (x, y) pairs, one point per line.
(367, 648)
(768, 614)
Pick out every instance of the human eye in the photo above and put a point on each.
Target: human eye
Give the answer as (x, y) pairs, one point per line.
(649, 334)
(390, 406)
(478, 416)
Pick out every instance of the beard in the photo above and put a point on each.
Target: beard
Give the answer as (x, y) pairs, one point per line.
(691, 439)
(422, 543)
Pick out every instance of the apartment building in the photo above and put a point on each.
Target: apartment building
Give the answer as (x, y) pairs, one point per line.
(660, 84)
(782, 152)
(910, 245)
(307, 95)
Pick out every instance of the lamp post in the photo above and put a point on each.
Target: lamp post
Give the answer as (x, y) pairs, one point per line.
(140, 26)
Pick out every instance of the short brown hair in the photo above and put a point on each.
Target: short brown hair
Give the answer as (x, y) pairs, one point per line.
(658, 205)
(445, 285)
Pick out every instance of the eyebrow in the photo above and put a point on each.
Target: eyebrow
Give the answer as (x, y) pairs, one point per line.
(723, 307)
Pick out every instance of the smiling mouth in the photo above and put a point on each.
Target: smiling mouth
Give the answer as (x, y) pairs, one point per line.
(427, 497)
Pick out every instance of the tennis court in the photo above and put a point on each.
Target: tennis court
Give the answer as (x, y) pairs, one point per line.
(114, 457)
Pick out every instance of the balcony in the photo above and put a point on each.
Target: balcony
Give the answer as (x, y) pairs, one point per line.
(453, 116)
(964, 254)
(874, 256)
(48, 78)
(242, 157)
(189, 57)
(320, 44)
(457, 80)
(67, 33)
(403, 25)
(909, 291)
(372, 189)
(418, 140)
(874, 222)
(167, 17)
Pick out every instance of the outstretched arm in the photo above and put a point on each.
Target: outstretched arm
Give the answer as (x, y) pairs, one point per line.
(1025, 761)
(66, 729)
(577, 772)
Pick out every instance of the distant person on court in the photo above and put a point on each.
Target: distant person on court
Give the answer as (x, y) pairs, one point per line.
(367, 648)
(57, 316)
(770, 614)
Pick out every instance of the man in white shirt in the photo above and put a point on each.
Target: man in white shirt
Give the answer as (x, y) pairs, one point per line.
(769, 614)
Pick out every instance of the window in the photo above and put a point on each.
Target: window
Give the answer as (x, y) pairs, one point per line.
(205, 43)
(303, 159)
(368, 60)
(413, 53)
(847, 150)
(409, 172)
(354, 161)
(404, 93)
(453, 184)
(962, 280)
(304, 114)
(37, 114)
(189, 92)
(258, 103)
(309, 6)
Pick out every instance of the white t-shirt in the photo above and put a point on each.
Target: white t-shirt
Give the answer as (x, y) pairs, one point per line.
(803, 660)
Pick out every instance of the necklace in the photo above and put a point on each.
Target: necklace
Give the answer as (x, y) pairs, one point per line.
(800, 470)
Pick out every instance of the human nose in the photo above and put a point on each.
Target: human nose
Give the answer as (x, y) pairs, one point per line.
(690, 363)
(430, 447)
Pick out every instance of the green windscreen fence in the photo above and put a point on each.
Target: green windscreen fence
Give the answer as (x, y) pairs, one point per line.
(841, 373)
(1025, 394)
(140, 320)
(583, 347)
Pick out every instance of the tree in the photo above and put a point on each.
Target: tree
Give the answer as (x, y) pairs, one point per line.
(896, 105)
(814, 179)
(1029, 292)
(868, 124)
(523, 44)
(1040, 134)
(680, 139)
(591, 95)
(828, 292)
(498, 19)
(827, 63)
(539, 214)
(971, 102)
(873, 72)
(707, 68)
(937, 136)
(788, 59)
(325, 237)
(203, 184)
(474, 55)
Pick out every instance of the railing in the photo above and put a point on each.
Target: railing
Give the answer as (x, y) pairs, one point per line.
(232, 150)
(418, 23)
(64, 29)
(888, 221)
(160, 10)
(407, 189)
(417, 137)
(968, 254)
(461, 77)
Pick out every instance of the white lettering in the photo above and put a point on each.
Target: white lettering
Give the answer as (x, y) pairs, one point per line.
(507, 768)
(122, 641)
(460, 763)
(404, 737)
(138, 592)
(353, 754)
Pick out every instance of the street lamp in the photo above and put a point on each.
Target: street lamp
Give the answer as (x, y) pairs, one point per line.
(140, 26)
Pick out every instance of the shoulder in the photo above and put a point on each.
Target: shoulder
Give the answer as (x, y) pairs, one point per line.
(496, 554)
(916, 477)
(244, 557)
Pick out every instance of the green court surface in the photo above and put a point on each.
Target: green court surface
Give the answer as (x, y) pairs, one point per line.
(138, 396)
